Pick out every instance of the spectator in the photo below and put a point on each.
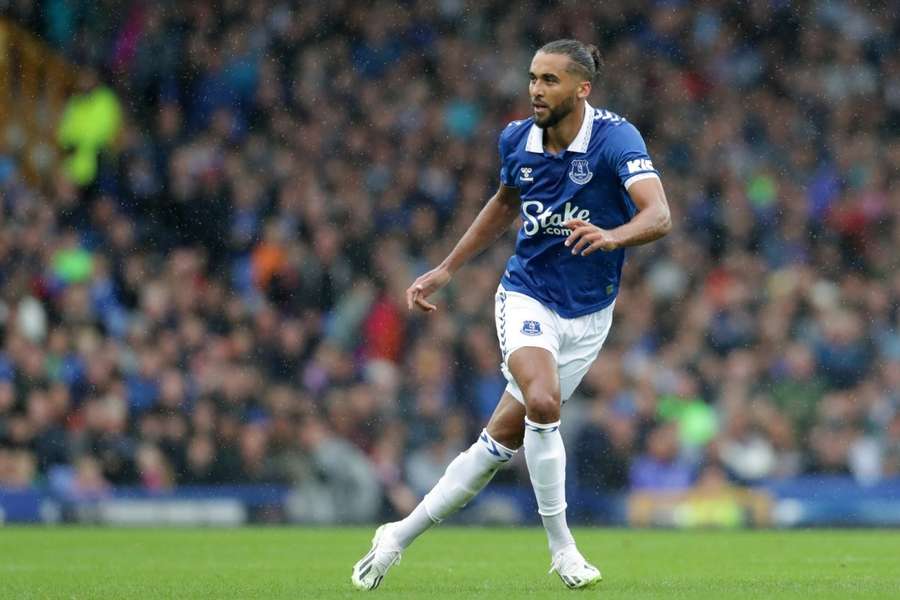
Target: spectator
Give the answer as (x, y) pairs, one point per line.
(660, 468)
(341, 483)
(604, 449)
(89, 125)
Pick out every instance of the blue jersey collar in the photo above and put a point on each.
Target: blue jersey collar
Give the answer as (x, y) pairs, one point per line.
(535, 141)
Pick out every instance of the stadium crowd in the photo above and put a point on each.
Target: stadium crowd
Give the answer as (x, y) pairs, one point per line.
(223, 302)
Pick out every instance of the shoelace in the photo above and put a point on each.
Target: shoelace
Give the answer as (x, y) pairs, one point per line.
(555, 564)
(553, 567)
(395, 556)
(558, 561)
(395, 560)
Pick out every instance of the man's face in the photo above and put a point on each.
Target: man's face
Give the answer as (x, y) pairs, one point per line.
(553, 89)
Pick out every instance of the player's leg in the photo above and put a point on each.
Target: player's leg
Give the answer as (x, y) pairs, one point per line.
(468, 473)
(465, 476)
(536, 375)
(530, 337)
(506, 424)
(471, 471)
(581, 340)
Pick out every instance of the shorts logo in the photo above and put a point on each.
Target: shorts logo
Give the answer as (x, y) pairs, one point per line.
(531, 328)
(580, 171)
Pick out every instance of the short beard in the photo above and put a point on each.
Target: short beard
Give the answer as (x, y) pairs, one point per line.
(555, 115)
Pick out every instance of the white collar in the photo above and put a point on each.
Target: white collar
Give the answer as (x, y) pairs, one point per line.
(535, 141)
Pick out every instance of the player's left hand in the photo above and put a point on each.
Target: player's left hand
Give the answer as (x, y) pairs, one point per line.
(586, 238)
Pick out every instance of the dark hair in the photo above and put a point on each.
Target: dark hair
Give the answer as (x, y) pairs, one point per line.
(585, 58)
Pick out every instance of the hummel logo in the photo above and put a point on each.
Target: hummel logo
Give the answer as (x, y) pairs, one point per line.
(526, 174)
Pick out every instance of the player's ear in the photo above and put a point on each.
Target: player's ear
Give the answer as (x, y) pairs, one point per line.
(584, 90)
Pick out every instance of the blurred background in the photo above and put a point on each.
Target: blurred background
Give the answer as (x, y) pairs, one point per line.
(209, 212)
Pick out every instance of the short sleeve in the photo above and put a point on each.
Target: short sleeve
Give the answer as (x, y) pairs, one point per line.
(506, 169)
(628, 155)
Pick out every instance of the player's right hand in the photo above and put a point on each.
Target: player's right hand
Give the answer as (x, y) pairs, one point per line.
(424, 286)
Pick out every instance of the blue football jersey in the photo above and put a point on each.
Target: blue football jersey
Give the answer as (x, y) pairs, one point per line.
(588, 181)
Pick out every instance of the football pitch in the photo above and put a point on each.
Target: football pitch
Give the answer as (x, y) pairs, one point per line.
(308, 563)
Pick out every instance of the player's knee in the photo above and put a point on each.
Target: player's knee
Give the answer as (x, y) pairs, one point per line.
(542, 406)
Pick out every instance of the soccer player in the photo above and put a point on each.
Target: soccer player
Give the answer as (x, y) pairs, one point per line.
(585, 188)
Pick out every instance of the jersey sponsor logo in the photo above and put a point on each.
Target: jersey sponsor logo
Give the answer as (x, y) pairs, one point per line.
(580, 171)
(525, 174)
(536, 218)
(531, 328)
(639, 164)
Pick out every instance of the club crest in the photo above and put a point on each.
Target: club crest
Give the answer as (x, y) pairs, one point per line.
(531, 328)
(580, 172)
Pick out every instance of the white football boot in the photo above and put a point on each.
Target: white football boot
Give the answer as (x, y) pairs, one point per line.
(371, 568)
(574, 570)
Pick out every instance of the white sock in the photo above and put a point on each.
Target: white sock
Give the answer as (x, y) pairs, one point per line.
(464, 478)
(546, 458)
(558, 534)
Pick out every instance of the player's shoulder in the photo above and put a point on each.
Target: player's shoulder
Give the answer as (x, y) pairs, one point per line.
(614, 129)
(513, 135)
(607, 120)
(516, 130)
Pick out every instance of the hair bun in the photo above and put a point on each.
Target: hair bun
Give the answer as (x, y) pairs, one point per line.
(595, 54)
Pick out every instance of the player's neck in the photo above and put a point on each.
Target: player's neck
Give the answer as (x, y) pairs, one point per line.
(558, 137)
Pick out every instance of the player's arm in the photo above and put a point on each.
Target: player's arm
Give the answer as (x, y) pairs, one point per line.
(491, 222)
(651, 222)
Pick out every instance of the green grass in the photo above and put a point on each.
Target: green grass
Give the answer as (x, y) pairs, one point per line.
(300, 564)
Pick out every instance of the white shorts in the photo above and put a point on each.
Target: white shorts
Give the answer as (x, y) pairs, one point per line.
(522, 321)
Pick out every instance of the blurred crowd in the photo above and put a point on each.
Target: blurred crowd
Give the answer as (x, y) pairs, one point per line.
(223, 301)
